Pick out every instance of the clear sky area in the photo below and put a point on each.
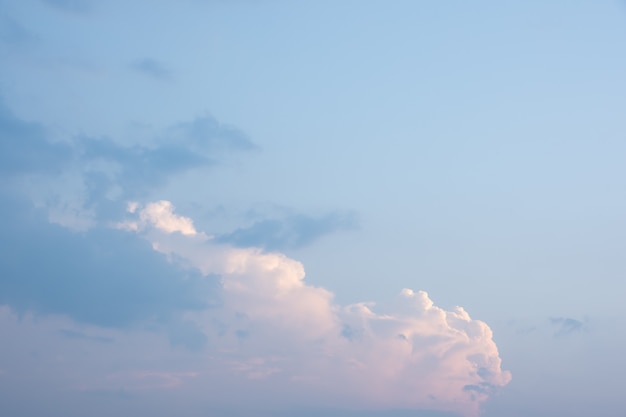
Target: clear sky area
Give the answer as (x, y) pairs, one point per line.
(265, 208)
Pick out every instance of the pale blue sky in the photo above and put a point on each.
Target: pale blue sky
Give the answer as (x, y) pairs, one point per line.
(475, 151)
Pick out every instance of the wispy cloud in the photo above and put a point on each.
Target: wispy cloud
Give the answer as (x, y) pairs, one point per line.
(564, 325)
(153, 68)
(136, 169)
(291, 232)
(206, 133)
(107, 167)
(25, 149)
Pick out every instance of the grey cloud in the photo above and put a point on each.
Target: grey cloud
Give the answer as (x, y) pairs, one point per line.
(102, 277)
(564, 325)
(482, 388)
(199, 143)
(152, 68)
(291, 232)
(25, 149)
(140, 168)
(188, 145)
(204, 133)
(355, 334)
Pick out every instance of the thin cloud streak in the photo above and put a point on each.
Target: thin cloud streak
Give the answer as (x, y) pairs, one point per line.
(291, 232)
(153, 68)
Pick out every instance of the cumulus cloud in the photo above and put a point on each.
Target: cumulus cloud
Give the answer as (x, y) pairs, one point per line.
(159, 215)
(270, 337)
(260, 329)
(273, 326)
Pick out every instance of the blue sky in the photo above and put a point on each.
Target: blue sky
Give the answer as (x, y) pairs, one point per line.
(242, 208)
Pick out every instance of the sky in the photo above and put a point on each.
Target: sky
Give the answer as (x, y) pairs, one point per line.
(242, 208)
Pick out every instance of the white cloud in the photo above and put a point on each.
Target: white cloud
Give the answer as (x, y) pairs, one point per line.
(273, 325)
(159, 215)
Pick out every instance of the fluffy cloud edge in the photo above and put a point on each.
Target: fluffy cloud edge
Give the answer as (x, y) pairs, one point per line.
(274, 326)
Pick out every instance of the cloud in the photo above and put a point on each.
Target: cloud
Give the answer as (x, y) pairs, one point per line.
(204, 133)
(138, 169)
(101, 276)
(135, 169)
(25, 149)
(152, 68)
(159, 215)
(279, 329)
(262, 332)
(98, 174)
(292, 232)
(251, 325)
(564, 325)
